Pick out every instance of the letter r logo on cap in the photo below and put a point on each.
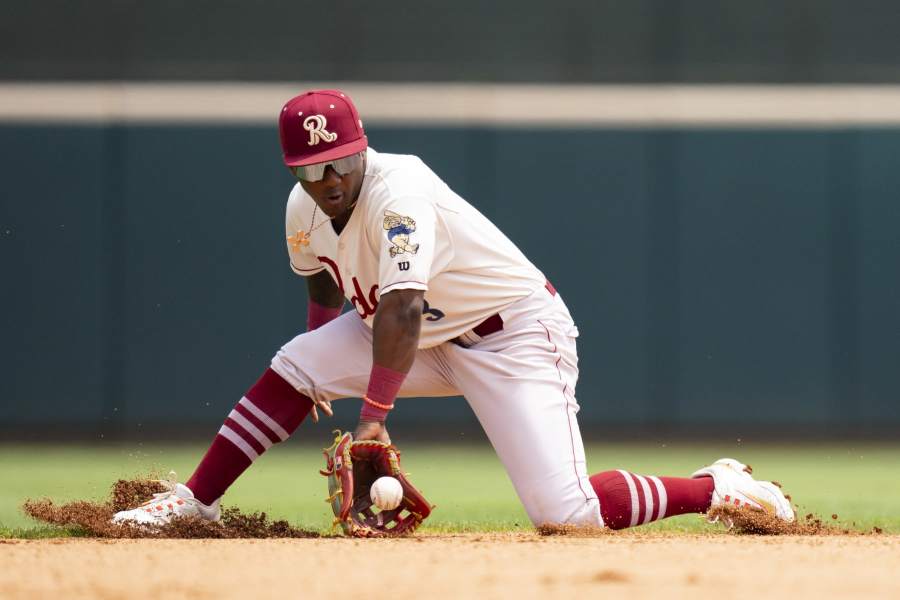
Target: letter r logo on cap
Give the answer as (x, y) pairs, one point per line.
(302, 127)
(315, 125)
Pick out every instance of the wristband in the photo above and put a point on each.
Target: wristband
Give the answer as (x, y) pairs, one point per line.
(368, 400)
(317, 314)
(384, 385)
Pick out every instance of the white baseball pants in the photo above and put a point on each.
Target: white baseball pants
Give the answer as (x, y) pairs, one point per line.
(520, 382)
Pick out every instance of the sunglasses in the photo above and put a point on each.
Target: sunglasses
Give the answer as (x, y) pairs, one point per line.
(316, 172)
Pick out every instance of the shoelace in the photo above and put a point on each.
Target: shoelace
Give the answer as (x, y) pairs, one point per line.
(166, 498)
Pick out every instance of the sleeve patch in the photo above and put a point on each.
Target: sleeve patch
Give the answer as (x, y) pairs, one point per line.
(398, 229)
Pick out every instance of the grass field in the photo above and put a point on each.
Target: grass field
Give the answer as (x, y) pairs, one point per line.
(859, 482)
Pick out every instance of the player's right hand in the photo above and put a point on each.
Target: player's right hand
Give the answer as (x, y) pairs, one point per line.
(325, 405)
(371, 430)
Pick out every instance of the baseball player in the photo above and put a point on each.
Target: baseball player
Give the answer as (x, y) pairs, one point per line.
(443, 304)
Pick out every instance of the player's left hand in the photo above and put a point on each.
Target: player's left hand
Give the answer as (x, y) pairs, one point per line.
(325, 405)
(371, 430)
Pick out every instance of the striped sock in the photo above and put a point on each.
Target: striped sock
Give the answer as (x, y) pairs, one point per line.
(268, 414)
(627, 500)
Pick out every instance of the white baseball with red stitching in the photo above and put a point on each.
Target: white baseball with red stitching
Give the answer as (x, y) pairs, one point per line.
(386, 493)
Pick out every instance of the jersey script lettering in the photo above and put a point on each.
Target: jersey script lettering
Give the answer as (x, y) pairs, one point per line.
(366, 306)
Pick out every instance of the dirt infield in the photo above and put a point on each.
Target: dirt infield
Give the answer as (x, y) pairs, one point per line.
(463, 566)
(280, 561)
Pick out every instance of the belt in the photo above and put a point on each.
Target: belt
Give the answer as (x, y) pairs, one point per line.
(494, 323)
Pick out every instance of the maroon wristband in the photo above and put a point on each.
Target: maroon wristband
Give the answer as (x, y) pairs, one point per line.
(384, 385)
(317, 314)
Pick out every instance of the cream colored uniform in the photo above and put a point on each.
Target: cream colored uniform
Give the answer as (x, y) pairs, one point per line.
(409, 230)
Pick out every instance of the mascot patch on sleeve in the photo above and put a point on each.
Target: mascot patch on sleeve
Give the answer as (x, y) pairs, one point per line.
(398, 230)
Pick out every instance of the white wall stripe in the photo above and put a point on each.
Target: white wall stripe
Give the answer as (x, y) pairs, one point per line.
(266, 419)
(648, 500)
(250, 428)
(663, 498)
(235, 438)
(634, 497)
(457, 104)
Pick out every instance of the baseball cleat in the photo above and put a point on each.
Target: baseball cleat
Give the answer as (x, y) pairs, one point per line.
(735, 486)
(176, 501)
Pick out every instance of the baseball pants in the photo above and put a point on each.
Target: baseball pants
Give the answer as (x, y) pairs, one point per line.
(519, 381)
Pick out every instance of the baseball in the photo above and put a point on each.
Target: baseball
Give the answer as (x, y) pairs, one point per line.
(386, 493)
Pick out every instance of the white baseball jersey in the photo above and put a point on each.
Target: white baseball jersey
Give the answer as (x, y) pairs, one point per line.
(409, 230)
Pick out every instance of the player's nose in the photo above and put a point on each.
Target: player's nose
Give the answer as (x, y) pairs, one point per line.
(331, 177)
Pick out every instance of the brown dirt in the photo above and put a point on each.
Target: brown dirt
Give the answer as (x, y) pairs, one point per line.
(93, 518)
(572, 530)
(737, 521)
(745, 520)
(810, 558)
(624, 564)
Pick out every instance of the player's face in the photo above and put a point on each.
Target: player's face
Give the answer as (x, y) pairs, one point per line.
(335, 193)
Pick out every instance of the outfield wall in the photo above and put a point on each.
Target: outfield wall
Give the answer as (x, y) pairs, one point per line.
(614, 41)
(724, 274)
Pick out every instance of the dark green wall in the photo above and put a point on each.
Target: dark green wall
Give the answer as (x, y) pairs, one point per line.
(774, 41)
(717, 276)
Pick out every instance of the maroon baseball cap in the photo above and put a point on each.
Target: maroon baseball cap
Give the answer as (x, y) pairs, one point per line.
(318, 126)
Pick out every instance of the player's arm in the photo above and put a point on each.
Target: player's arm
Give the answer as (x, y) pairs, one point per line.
(405, 234)
(325, 299)
(396, 329)
(395, 339)
(324, 291)
(324, 305)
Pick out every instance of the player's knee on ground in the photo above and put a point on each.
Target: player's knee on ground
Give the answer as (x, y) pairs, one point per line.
(567, 504)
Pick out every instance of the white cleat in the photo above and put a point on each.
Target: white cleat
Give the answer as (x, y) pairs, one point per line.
(176, 501)
(735, 486)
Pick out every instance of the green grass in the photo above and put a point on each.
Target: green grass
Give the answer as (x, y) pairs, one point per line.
(859, 482)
